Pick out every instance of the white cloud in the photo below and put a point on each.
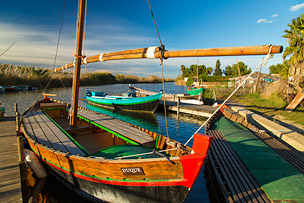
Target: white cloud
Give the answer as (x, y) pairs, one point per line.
(275, 15)
(262, 20)
(36, 46)
(296, 7)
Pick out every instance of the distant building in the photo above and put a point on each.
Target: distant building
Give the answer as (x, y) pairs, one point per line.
(254, 77)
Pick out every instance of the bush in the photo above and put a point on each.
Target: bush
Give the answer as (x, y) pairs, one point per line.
(189, 81)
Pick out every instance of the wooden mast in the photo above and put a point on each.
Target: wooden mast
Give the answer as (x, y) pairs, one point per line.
(143, 53)
(78, 61)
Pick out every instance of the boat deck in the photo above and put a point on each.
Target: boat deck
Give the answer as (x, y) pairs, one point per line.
(118, 126)
(46, 132)
(43, 130)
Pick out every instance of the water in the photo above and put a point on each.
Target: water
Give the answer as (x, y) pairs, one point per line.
(180, 130)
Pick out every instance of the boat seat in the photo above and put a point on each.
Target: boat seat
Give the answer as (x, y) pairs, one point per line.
(125, 150)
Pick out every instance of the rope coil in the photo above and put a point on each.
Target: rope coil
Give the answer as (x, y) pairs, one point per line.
(162, 52)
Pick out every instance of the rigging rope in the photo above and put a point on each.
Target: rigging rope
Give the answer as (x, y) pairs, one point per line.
(155, 23)
(161, 58)
(264, 61)
(7, 49)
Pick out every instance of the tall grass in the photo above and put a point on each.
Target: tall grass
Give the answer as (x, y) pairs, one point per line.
(273, 101)
(271, 106)
(40, 77)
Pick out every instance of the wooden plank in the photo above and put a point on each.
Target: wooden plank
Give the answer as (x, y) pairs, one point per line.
(28, 127)
(240, 185)
(296, 101)
(38, 133)
(237, 166)
(10, 181)
(70, 145)
(117, 126)
(56, 143)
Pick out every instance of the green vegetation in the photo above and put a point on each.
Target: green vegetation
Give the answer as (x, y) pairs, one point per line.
(270, 106)
(204, 73)
(233, 70)
(217, 70)
(281, 69)
(213, 78)
(295, 38)
(40, 77)
(189, 81)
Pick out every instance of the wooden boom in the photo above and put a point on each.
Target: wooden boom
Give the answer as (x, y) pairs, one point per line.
(154, 52)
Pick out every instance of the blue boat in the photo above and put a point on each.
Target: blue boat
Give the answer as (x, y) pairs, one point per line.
(127, 103)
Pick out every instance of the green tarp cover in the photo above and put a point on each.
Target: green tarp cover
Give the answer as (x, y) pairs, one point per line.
(278, 178)
(125, 150)
(194, 91)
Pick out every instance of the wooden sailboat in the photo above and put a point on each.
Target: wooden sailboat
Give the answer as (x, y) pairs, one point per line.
(103, 158)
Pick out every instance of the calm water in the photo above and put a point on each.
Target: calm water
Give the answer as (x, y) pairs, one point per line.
(179, 130)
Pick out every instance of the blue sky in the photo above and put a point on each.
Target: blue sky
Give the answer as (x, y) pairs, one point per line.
(119, 25)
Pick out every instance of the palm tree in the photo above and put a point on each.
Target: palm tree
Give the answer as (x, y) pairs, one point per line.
(295, 38)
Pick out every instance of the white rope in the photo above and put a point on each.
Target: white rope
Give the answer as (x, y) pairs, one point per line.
(100, 57)
(269, 55)
(151, 52)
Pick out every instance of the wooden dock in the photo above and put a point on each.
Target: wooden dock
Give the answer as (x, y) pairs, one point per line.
(10, 181)
(254, 169)
(197, 110)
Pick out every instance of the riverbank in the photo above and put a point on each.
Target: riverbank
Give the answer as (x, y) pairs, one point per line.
(273, 108)
(41, 77)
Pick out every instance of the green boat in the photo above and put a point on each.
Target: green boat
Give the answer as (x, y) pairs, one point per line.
(144, 104)
(194, 91)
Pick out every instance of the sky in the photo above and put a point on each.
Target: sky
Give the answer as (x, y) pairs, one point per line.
(118, 25)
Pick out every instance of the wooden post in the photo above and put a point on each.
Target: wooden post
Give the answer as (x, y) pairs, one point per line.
(78, 62)
(20, 149)
(258, 80)
(16, 107)
(237, 63)
(178, 100)
(20, 145)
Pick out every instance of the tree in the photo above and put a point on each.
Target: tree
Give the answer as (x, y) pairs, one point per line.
(193, 70)
(182, 69)
(281, 69)
(189, 81)
(186, 73)
(209, 71)
(228, 71)
(217, 70)
(295, 38)
(233, 70)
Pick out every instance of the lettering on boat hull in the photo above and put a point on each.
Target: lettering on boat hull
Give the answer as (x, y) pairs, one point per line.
(133, 171)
